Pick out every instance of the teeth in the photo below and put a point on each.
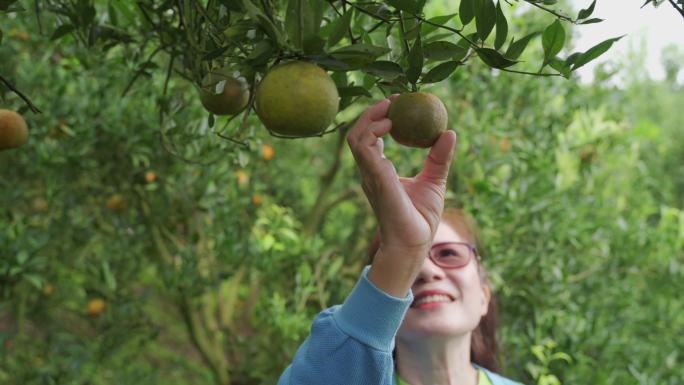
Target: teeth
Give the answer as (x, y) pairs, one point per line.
(432, 298)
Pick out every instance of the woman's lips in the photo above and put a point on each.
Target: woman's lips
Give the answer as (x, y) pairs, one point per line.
(430, 305)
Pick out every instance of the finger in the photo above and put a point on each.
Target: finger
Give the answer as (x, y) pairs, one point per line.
(437, 164)
(376, 112)
(376, 130)
(392, 97)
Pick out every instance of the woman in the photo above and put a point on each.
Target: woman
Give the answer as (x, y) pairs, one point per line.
(428, 309)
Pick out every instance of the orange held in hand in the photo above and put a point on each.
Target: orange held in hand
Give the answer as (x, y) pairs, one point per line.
(418, 119)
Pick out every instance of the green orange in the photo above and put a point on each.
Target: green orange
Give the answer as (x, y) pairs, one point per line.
(418, 119)
(297, 99)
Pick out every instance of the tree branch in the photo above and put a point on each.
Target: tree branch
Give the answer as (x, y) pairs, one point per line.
(680, 10)
(551, 11)
(21, 95)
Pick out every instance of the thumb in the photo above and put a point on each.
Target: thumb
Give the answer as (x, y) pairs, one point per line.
(437, 164)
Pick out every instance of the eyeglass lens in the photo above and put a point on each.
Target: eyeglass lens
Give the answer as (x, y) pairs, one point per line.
(451, 254)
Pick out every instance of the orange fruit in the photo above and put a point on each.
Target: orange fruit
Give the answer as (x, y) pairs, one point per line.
(13, 130)
(116, 203)
(505, 145)
(39, 205)
(242, 177)
(418, 119)
(48, 290)
(150, 177)
(297, 99)
(257, 200)
(267, 151)
(222, 94)
(96, 306)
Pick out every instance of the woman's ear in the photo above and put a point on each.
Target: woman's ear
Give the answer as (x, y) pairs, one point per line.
(486, 297)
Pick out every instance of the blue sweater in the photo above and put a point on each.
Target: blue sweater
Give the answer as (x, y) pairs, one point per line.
(352, 343)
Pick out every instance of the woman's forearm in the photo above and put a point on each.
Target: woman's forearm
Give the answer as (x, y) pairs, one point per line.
(394, 273)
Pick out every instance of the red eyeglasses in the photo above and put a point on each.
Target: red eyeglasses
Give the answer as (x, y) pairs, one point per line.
(452, 255)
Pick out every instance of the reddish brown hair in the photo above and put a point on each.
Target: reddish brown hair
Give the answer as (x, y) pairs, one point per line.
(483, 344)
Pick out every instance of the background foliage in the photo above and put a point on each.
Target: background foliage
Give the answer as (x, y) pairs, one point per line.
(213, 270)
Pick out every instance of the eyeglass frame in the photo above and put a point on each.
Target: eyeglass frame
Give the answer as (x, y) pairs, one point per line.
(471, 247)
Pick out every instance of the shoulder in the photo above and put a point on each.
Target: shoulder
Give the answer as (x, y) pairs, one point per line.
(498, 379)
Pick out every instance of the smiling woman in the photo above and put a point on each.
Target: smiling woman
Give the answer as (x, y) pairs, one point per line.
(422, 311)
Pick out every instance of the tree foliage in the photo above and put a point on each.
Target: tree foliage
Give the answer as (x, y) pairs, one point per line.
(213, 245)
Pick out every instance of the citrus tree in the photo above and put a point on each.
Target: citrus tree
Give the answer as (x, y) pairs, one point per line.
(160, 225)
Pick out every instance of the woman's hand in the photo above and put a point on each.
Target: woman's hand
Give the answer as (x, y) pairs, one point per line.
(408, 209)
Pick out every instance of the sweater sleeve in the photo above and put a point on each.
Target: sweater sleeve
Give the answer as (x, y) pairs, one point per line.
(351, 343)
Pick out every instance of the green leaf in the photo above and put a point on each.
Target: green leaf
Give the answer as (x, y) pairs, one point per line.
(353, 91)
(501, 27)
(433, 23)
(62, 30)
(215, 53)
(356, 56)
(592, 21)
(570, 60)
(493, 58)
(361, 48)
(561, 66)
(339, 28)
(294, 22)
(22, 257)
(552, 40)
(516, 48)
(258, 16)
(109, 278)
(485, 18)
(444, 50)
(441, 72)
(5, 4)
(261, 53)
(385, 69)
(410, 6)
(0, 36)
(594, 52)
(583, 14)
(466, 11)
(415, 61)
(35, 280)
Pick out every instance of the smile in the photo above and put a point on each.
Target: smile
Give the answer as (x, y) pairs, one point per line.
(431, 301)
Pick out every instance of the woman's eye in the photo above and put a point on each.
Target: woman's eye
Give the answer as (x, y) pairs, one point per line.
(448, 253)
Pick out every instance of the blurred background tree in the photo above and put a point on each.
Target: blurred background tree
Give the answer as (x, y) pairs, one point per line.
(139, 245)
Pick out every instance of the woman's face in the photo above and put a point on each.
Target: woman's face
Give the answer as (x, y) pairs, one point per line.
(469, 296)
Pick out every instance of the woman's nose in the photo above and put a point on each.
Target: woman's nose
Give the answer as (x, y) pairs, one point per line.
(429, 272)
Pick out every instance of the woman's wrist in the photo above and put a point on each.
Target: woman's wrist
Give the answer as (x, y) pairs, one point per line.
(395, 271)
